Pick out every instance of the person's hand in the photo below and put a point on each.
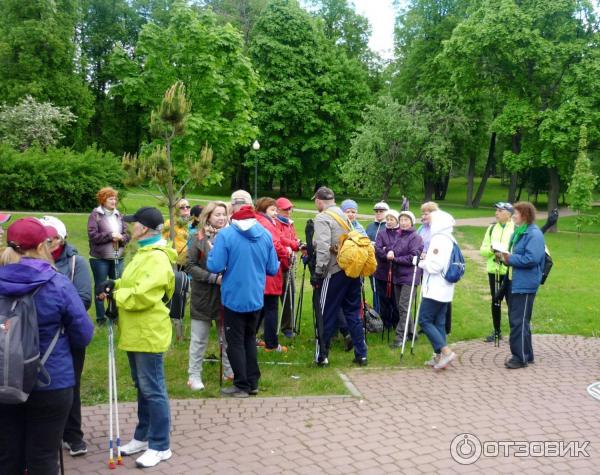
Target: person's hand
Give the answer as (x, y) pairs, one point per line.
(316, 280)
(415, 261)
(423, 255)
(104, 289)
(117, 236)
(390, 255)
(504, 256)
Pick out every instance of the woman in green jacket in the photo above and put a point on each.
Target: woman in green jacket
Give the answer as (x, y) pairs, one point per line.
(497, 237)
(145, 332)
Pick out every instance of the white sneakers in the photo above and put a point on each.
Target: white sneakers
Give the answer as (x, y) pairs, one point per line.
(195, 383)
(134, 447)
(152, 457)
(444, 360)
(149, 458)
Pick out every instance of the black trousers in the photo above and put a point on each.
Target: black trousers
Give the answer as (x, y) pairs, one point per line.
(496, 306)
(240, 332)
(387, 305)
(520, 309)
(269, 315)
(73, 432)
(30, 433)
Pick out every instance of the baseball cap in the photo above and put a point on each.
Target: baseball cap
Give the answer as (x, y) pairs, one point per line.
(148, 216)
(27, 233)
(56, 224)
(4, 217)
(382, 205)
(241, 197)
(283, 203)
(505, 206)
(323, 193)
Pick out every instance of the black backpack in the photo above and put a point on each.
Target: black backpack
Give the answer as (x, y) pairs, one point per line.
(548, 263)
(178, 300)
(20, 362)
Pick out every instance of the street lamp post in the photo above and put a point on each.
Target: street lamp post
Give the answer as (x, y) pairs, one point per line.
(256, 148)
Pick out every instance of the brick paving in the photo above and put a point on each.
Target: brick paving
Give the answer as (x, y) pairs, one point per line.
(404, 422)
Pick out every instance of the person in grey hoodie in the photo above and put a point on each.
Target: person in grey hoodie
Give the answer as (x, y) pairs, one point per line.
(74, 267)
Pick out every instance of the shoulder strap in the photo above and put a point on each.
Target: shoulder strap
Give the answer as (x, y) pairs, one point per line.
(73, 267)
(340, 221)
(490, 228)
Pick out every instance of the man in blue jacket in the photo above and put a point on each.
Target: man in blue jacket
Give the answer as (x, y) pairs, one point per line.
(244, 254)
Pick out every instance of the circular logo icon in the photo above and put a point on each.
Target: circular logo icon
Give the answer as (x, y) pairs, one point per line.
(465, 449)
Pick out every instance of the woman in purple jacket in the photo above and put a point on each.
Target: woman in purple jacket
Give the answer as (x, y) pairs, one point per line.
(31, 432)
(408, 245)
(107, 235)
(384, 281)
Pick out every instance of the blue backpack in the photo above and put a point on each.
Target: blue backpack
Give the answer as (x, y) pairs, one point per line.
(456, 265)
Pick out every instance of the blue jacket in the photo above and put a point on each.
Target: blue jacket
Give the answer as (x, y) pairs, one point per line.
(527, 261)
(374, 229)
(78, 274)
(57, 303)
(245, 255)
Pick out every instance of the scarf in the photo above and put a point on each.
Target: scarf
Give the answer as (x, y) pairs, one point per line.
(150, 240)
(245, 212)
(519, 231)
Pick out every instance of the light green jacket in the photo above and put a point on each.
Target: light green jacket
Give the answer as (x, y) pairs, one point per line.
(496, 233)
(144, 322)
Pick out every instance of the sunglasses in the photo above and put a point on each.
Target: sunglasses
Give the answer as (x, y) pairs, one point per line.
(185, 207)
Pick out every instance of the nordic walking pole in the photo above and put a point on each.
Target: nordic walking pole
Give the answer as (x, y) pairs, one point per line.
(410, 299)
(111, 461)
(498, 304)
(293, 294)
(221, 336)
(285, 293)
(298, 318)
(116, 398)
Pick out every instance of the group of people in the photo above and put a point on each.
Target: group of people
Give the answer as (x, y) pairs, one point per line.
(239, 257)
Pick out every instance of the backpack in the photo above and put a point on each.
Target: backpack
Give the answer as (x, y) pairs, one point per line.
(20, 362)
(456, 263)
(548, 263)
(179, 299)
(373, 321)
(356, 255)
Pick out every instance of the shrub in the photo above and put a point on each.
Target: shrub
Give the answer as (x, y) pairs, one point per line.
(55, 180)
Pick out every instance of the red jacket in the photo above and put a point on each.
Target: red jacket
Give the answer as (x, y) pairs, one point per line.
(289, 238)
(274, 285)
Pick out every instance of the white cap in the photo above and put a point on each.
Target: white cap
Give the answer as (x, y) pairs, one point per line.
(241, 197)
(57, 224)
(394, 213)
(381, 205)
(410, 215)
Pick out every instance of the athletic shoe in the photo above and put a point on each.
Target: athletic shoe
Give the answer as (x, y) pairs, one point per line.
(322, 362)
(348, 343)
(195, 383)
(445, 360)
(260, 342)
(75, 448)
(279, 349)
(253, 392)
(134, 447)
(514, 363)
(491, 338)
(288, 334)
(152, 457)
(360, 361)
(234, 391)
(433, 361)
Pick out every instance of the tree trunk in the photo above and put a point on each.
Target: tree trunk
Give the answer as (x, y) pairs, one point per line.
(489, 166)
(516, 149)
(553, 193)
(428, 186)
(470, 178)
(387, 186)
(441, 187)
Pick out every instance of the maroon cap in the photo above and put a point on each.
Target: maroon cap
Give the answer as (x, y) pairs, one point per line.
(284, 203)
(4, 217)
(26, 233)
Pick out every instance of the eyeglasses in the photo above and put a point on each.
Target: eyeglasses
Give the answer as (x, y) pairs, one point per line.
(379, 210)
(185, 207)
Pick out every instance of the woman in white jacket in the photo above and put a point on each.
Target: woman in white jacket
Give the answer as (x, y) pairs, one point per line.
(436, 291)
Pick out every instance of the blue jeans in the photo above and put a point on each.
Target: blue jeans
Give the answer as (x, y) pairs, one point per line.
(432, 317)
(520, 309)
(154, 415)
(103, 269)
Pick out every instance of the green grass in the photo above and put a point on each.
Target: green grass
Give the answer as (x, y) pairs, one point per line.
(564, 305)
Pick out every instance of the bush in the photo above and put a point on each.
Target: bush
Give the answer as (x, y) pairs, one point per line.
(56, 180)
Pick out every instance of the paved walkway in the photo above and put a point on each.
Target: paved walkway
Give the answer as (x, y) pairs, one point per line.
(404, 422)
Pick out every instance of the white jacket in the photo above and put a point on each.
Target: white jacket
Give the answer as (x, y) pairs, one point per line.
(436, 261)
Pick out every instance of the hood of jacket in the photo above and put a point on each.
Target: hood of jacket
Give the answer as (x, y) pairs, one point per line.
(171, 253)
(24, 277)
(68, 252)
(247, 228)
(441, 223)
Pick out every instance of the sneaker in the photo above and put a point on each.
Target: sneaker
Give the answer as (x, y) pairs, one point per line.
(151, 457)
(227, 377)
(134, 447)
(195, 383)
(445, 360)
(396, 344)
(348, 343)
(433, 361)
(360, 360)
(260, 342)
(491, 338)
(514, 363)
(322, 362)
(253, 392)
(288, 334)
(279, 349)
(75, 448)
(234, 391)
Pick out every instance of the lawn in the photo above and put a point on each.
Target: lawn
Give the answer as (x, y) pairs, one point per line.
(564, 305)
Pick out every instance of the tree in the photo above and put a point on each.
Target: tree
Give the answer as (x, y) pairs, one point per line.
(208, 58)
(583, 182)
(38, 58)
(167, 123)
(31, 123)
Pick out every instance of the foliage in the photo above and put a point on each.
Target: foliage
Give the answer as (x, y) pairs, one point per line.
(58, 179)
(37, 58)
(583, 181)
(168, 122)
(32, 123)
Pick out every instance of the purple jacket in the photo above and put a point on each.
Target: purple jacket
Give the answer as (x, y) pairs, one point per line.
(386, 239)
(100, 235)
(57, 303)
(407, 245)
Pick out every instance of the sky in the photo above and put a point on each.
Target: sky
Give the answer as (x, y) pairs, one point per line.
(381, 16)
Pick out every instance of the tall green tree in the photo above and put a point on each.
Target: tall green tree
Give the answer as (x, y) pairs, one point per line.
(38, 58)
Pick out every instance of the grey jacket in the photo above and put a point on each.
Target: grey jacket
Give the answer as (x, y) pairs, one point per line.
(325, 240)
(75, 268)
